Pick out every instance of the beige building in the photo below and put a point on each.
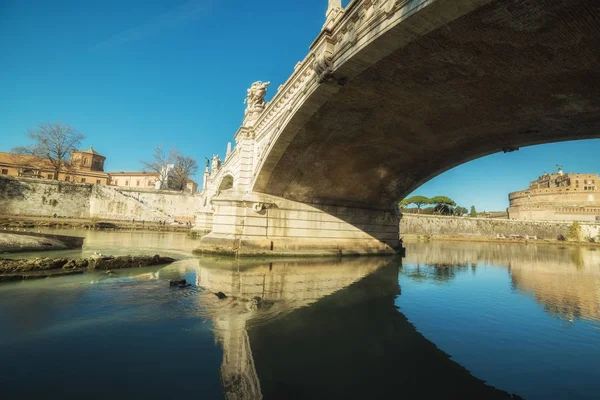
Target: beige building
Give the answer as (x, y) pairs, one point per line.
(558, 197)
(140, 180)
(86, 166)
(143, 180)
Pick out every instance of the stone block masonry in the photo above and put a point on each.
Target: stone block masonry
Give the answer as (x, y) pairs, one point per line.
(437, 225)
(40, 197)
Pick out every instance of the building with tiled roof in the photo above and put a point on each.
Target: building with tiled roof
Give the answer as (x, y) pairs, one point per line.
(84, 167)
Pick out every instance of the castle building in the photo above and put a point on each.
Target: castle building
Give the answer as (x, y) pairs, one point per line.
(558, 196)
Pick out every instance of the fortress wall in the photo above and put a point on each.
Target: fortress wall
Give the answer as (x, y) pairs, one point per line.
(413, 224)
(40, 197)
(555, 196)
(558, 204)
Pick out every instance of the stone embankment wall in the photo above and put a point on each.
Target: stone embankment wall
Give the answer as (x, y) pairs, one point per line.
(435, 225)
(44, 197)
(124, 204)
(40, 197)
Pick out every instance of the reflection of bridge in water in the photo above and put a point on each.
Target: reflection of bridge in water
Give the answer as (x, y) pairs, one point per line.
(564, 280)
(324, 329)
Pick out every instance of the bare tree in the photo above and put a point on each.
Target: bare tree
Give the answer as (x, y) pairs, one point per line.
(184, 168)
(162, 163)
(53, 142)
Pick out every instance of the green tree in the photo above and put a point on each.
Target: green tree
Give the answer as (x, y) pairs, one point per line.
(460, 211)
(403, 203)
(418, 201)
(473, 212)
(574, 232)
(443, 205)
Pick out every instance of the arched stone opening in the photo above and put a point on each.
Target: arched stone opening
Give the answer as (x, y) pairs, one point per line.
(226, 183)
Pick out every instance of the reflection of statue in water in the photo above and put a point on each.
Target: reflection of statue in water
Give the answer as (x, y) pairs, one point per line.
(256, 96)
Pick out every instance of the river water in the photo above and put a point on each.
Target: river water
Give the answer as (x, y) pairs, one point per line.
(451, 320)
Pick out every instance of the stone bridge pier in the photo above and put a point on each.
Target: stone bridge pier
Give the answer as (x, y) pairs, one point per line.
(260, 224)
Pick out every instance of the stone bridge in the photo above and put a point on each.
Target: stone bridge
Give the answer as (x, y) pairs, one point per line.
(391, 94)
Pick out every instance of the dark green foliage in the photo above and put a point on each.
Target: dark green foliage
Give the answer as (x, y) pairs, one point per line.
(473, 212)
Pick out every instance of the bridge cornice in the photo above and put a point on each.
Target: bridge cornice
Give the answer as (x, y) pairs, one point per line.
(361, 22)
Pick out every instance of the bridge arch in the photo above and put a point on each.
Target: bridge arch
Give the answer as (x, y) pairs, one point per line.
(384, 125)
(392, 94)
(226, 183)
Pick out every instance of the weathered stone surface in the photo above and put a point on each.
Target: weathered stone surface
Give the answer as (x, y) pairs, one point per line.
(17, 269)
(412, 224)
(36, 264)
(11, 242)
(42, 197)
(120, 262)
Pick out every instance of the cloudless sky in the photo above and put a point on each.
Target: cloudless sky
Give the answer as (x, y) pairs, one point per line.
(134, 74)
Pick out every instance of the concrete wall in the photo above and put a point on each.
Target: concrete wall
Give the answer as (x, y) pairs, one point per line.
(39, 197)
(44, 197)
(413, 224)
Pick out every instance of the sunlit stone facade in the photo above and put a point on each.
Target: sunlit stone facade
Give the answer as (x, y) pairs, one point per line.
(558, 197)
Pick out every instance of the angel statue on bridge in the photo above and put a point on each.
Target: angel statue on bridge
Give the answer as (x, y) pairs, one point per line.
(256, 95)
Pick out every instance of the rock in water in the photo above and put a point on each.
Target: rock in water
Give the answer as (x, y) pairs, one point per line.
(252, 304)
(177, 282)
(221, 295)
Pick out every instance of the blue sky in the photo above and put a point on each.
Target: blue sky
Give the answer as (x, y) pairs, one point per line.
(134, 74)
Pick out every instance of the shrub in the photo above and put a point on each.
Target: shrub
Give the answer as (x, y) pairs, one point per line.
(561, 238)
(574, 232)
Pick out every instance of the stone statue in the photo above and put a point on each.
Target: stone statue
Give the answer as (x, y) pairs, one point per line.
(256, 95)
(207, 162)
(215, 163)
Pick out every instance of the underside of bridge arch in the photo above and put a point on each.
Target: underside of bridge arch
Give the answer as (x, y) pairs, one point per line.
(226, 183)
(507, 74)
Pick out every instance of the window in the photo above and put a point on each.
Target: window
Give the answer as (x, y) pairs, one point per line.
(137, 183)
(126, 183)
(116, 182)
(49, 176)
(4, 171)
(149, 183)
(67, 178)
(82, 180)
(97, 181)
(85, 161)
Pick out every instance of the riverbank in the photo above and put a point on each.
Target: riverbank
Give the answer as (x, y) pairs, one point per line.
(483, 239)
(14, 242)
(8, 222)
(475, 228)
(23, 269)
